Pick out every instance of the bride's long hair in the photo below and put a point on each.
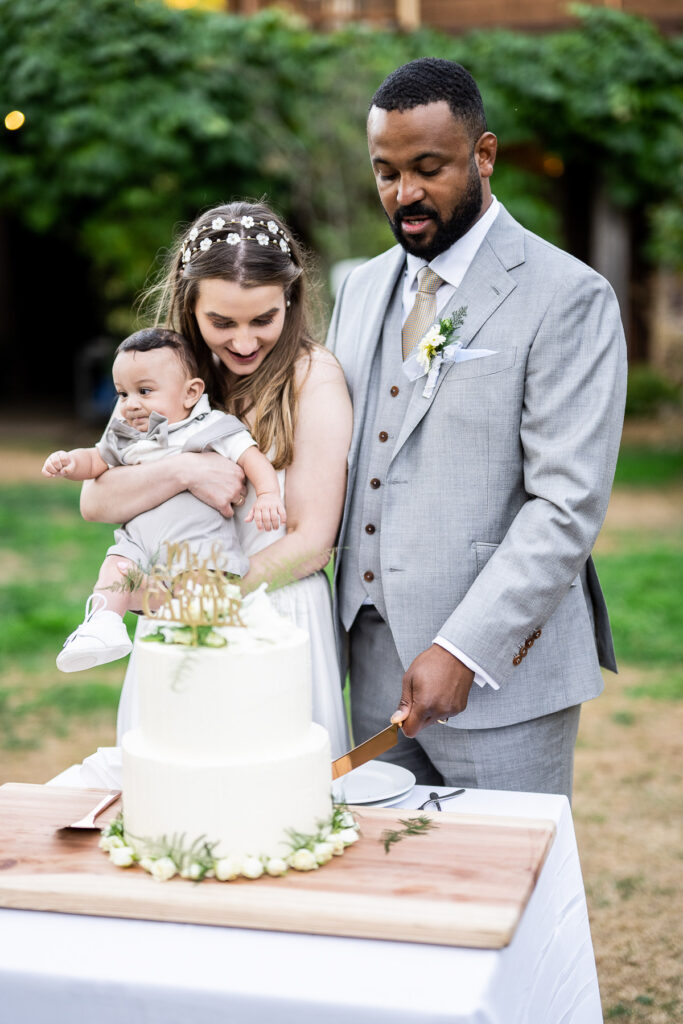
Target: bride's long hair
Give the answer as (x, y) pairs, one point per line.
(260, 251)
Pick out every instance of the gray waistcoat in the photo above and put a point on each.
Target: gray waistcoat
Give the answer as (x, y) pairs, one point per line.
(388, 398)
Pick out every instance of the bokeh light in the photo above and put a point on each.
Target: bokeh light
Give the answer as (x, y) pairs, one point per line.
(553, 165)
(14, 120)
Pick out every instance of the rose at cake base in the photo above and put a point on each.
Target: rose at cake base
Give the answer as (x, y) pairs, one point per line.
(226, 775)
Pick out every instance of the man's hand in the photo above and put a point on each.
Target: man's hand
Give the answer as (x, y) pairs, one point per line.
(435, 686)
(215, 480)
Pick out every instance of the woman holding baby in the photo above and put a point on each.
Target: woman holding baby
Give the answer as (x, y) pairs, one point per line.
(236, 290)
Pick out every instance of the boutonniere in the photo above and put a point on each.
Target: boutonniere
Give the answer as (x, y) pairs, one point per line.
(438, 345)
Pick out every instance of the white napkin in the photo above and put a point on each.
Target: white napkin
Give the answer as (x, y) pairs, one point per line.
(101, 770)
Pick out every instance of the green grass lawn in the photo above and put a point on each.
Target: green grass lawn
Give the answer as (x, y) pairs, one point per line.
(49, 559)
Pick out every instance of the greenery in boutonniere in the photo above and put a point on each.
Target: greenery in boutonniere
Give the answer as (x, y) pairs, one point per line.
(439, 337)
(411, 827)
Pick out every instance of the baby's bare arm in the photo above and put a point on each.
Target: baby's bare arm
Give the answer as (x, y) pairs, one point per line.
(78, 464)
(268, 510)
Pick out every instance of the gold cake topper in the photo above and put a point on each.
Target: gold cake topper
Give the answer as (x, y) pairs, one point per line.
(192, 591)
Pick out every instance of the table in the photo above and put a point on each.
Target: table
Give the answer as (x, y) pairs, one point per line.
(65, 968)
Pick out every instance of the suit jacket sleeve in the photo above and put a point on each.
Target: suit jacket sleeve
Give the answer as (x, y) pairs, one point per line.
(572, 416)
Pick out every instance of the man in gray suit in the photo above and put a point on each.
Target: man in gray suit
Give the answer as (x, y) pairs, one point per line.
(464, 580)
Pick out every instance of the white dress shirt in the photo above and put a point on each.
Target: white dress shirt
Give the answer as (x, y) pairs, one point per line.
(451, 266)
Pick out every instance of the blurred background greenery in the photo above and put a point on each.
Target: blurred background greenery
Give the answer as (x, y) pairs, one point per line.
(137, 115)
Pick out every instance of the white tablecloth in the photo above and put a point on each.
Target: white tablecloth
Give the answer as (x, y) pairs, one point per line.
(65, 968)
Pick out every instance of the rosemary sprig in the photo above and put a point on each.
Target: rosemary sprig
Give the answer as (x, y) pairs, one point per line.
(412, 827)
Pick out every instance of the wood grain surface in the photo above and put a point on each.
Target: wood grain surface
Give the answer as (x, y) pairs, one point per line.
(464, 883)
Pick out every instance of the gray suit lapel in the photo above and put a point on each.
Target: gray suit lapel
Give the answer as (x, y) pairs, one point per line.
(485, 285)
(371, 319)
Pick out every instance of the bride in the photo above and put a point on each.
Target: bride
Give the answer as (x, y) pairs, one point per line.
(236, 289)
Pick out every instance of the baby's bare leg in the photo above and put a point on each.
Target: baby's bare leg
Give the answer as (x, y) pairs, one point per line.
(113, 572)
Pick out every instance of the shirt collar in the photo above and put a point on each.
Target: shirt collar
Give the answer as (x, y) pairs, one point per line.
(201, 409)
(453, 264)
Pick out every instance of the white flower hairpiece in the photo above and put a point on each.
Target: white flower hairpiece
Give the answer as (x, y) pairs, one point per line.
(276, 236)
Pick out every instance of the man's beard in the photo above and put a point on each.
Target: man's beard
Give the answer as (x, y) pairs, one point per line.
(447, 232)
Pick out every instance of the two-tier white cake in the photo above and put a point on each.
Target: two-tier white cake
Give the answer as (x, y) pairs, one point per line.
(226, 748)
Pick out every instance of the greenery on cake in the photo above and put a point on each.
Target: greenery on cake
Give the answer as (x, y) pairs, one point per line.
(169, 856)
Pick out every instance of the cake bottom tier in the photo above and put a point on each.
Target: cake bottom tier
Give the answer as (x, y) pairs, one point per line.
(244, 806)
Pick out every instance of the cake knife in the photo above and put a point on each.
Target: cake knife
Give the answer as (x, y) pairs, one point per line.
(377, 744)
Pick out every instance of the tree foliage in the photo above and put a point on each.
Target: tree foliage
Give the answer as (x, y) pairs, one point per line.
(137, 115)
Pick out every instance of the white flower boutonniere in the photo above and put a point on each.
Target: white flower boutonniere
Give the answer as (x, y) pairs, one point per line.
(438, 345)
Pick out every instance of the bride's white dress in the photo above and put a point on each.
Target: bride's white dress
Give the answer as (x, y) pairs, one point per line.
(307, 603)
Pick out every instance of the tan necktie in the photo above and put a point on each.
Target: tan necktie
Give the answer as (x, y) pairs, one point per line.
(423, 313)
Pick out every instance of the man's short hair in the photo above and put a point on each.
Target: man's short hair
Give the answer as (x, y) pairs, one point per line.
(430, 80)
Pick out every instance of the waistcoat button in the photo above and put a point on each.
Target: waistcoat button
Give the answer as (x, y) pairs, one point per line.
(393, 391)
(374, 483)
(383, 436)
(370, 528)
(368, 576)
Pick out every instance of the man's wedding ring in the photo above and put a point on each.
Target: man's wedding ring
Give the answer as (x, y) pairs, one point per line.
(240, 501)
(442, 721)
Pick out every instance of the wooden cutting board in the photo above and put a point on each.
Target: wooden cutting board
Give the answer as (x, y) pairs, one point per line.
(465, 883)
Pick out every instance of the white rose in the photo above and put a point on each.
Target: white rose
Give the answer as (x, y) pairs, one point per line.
(276, 866)
(337, 843)
(227, 868)
(163, 869)
(105, 843)
(423, 357)
(323, 852)
(113, 842)
(303, 860)
(252, 867)
(347, 820)
(348, 836)
(324, 832)
(122, 856)
(194, 871)
(147, 863)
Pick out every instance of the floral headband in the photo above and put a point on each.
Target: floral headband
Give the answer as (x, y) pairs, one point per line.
(273, 235)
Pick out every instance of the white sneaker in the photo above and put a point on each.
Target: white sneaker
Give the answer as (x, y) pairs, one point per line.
(100, 638)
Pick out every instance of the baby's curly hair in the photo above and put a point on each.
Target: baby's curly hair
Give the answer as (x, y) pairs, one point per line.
(429, 80)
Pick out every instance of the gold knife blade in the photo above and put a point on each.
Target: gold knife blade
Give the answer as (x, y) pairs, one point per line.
(377, 744)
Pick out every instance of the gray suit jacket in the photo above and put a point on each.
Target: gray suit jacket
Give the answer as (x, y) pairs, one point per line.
(509, 465)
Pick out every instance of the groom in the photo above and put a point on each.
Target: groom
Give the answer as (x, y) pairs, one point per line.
(464, 581)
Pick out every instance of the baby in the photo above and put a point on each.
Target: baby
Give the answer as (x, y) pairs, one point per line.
(162, 411)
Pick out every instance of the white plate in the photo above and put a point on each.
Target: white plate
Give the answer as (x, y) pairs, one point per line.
(373, 782)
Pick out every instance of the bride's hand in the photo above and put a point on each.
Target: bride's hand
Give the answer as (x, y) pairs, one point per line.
(215, 480)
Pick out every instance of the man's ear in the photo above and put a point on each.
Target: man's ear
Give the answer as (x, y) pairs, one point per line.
(485, 154)
(194, 389)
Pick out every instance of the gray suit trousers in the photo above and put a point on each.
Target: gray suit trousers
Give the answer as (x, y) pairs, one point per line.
(536, 756)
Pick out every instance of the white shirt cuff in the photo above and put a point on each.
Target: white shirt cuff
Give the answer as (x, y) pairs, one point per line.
(481, 678)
